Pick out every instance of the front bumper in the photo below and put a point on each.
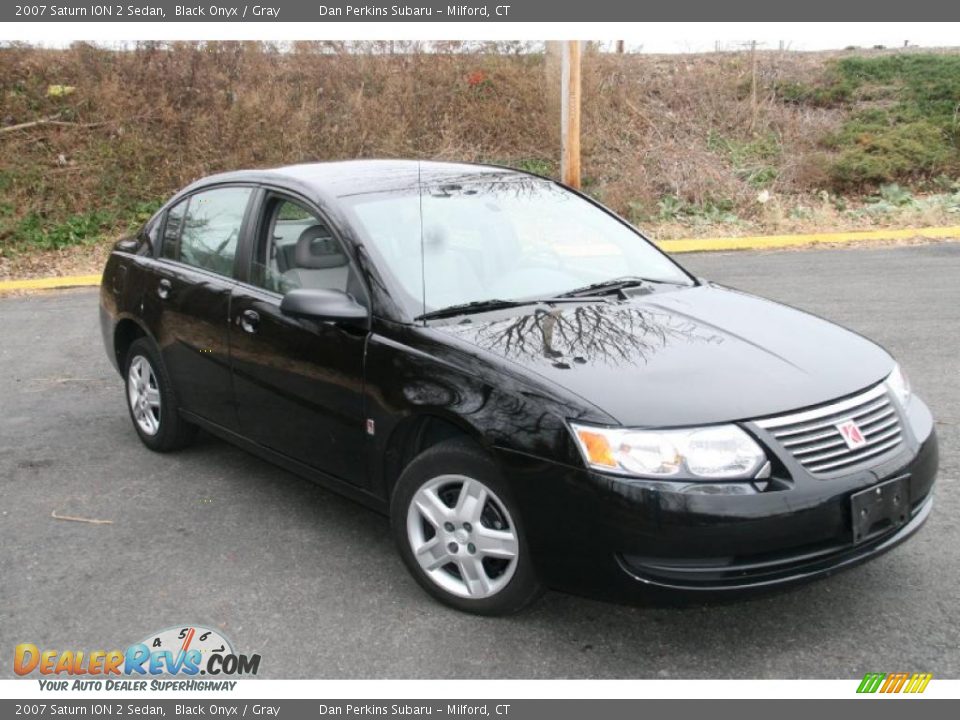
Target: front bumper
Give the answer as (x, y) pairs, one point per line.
(774, 569)
(622, 538)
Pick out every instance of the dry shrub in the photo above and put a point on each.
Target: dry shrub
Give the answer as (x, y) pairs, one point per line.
(149, 119)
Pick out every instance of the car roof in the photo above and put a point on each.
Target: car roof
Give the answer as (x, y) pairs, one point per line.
(354, 177)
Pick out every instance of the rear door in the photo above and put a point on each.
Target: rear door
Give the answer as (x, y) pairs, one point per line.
(187, 298)
(298, 383)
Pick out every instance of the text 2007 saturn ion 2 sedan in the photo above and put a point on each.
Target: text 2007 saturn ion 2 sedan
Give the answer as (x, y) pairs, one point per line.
(535, 394)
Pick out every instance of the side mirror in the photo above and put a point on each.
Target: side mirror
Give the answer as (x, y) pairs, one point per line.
(327, 305)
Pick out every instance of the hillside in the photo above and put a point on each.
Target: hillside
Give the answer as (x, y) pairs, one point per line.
(683, 145)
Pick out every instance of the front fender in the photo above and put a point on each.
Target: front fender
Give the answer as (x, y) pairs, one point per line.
(410, 376)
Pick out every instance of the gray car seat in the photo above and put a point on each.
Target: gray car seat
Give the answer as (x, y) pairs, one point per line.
(319, 262)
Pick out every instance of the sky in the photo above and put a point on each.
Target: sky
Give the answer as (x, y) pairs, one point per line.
(703, 37)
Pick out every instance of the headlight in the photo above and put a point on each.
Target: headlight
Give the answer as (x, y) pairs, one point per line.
(721, 451)
(899, 386)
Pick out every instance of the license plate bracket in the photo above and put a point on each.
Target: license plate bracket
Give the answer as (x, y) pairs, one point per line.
(880, 508)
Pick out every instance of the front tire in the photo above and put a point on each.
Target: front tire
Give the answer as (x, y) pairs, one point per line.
(152, 401)
(460, 533)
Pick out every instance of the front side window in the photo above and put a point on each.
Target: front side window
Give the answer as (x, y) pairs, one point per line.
(514, 240)
(209, 229)
(298, 250)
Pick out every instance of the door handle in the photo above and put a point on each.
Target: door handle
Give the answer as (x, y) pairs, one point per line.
(163, 289)
(248, 320)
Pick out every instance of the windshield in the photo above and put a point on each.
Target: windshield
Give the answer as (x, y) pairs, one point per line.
(512, 240)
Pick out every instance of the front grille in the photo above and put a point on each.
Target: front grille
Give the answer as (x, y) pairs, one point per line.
(813, 439)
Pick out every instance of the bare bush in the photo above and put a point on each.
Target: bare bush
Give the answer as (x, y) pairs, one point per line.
(144, 121)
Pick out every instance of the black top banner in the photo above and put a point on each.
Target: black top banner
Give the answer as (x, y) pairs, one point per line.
(501, 11)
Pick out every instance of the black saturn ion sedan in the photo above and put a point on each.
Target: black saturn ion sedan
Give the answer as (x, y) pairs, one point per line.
(534, 393)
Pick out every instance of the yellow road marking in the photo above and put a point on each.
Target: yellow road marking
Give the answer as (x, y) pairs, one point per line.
(752, 242)
(762, 242)
(50, 282)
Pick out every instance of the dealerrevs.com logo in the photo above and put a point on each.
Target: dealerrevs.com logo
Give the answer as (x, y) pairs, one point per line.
(185, 652)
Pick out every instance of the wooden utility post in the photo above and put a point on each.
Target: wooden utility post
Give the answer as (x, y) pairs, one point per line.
(570, 114)
(753, 85)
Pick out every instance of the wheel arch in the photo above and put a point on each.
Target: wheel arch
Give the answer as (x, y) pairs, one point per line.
(125, 333)
(417, 433)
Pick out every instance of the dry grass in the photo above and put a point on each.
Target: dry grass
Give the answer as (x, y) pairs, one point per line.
(144, 122)
(82, 260)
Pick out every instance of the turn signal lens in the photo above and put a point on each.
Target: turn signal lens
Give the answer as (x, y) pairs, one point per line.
(596, 448)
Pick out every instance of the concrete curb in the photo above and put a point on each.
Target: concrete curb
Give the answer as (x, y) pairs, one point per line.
(763, 242)
(755, 242)
(49, 283)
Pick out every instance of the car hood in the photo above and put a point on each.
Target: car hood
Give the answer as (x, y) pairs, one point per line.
(689, 356)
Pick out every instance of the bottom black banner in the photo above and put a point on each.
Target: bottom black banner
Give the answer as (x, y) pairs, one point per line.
(877, 709)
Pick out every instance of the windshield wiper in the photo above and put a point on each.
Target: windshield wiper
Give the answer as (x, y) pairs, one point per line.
(473, 307)
(608, 287)
(477, 306)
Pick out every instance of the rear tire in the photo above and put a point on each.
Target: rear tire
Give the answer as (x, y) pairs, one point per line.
(459, 531)
(152, 401)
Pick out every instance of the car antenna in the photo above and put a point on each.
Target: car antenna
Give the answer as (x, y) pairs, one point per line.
(423, 262)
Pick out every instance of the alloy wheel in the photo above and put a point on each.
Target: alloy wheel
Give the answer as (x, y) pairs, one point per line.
(143, 393)
(462, 536)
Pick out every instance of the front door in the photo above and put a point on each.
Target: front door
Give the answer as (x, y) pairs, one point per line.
(298, 383)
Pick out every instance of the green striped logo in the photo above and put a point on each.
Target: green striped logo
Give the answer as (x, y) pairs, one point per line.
(871, 682)
(894, 682)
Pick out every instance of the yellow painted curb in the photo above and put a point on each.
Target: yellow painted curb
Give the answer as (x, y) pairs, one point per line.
(754, 242)
(762, 242)
(49, 283)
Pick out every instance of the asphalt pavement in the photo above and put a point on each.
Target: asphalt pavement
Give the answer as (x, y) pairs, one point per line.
(311, 581)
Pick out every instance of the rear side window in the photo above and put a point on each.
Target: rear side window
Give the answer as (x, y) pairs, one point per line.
(208, 230)
(170, 247)
(149, 237)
